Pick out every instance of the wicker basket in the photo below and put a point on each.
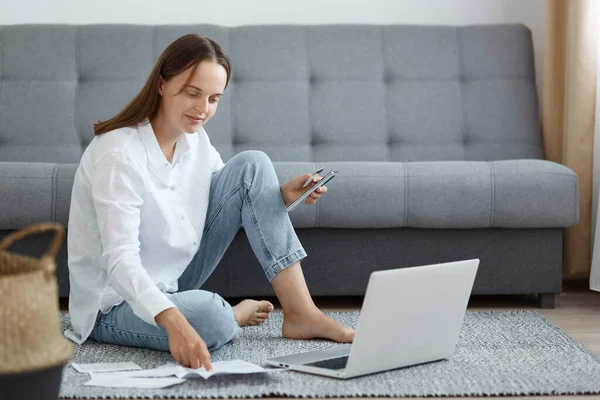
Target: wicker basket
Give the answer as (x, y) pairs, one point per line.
(30, 334)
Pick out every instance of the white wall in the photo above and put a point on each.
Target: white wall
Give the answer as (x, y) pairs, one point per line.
(249, 12)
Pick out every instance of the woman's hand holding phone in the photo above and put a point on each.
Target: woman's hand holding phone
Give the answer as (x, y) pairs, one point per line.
(294, 191)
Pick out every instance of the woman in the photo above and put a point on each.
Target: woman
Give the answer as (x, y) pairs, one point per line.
(154, 208)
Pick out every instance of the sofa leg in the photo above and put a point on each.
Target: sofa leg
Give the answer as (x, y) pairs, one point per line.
(546, 300)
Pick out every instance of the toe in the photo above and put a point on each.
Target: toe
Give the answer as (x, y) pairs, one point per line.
(265, 306)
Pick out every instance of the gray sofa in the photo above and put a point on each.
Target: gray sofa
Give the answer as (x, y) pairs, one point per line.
(435, 131)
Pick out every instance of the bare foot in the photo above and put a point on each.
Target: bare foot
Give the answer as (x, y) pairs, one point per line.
(252, 312)
(315, 324)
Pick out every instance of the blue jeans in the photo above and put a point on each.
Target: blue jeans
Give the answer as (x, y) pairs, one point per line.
(246, 190)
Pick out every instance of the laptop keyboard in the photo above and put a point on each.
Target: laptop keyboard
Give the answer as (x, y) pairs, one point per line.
(332, 363)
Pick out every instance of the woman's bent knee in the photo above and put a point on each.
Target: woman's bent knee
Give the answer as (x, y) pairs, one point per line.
(211, 316)
(253, 158)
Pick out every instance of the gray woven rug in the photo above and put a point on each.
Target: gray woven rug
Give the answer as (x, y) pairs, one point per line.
(498, 353)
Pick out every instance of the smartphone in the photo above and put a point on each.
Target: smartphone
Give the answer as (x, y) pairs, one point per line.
(317, 185)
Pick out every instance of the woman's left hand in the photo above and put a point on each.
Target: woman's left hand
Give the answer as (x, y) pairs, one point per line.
(292, 189)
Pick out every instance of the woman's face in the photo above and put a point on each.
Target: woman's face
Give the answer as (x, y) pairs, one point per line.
(187, 108)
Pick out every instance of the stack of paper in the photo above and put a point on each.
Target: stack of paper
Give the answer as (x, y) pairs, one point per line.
(131, 375)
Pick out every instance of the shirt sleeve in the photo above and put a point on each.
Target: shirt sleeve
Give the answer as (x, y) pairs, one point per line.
(117, 192)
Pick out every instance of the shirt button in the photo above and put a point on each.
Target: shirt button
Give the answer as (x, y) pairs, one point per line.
(194, 243)
(182, 217)
(172, 187)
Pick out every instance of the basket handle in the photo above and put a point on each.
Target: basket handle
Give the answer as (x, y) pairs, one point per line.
(48, 258)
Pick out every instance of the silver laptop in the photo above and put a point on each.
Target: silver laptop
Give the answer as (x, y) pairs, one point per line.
(409, 316)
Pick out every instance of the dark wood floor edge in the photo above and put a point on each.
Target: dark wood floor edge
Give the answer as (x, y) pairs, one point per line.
(355, 302)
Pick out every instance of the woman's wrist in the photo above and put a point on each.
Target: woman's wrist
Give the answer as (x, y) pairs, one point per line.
(283, 196)
(168, 318)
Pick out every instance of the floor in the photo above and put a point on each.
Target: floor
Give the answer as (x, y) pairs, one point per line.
(577, 313)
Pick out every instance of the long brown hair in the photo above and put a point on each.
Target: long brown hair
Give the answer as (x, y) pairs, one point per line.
(185, 52)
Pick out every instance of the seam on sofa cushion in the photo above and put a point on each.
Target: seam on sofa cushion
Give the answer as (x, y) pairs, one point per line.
(461, 84)
(495, 173)
(384, 76)
(41, 178)
(309, 85)
(539, 172)
(25, 144)
(54, 200)
(492, 194)
(1, 56)
(77, 75)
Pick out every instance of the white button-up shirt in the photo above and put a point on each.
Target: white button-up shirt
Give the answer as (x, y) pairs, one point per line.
(135, 222)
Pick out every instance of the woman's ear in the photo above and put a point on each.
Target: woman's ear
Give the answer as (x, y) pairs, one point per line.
(161, 83)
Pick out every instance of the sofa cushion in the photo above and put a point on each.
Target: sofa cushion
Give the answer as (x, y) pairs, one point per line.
(34, 192)
(449, 194)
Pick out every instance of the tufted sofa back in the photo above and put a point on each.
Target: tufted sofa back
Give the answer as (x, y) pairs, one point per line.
(299, 93)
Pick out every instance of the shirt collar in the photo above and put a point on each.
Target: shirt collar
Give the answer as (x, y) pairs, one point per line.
(152, 147)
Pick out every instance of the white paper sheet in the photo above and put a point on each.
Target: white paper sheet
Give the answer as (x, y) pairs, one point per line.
(165, 375)
(218, 368)
(158, 372)
(124, 382)
(105, 367)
